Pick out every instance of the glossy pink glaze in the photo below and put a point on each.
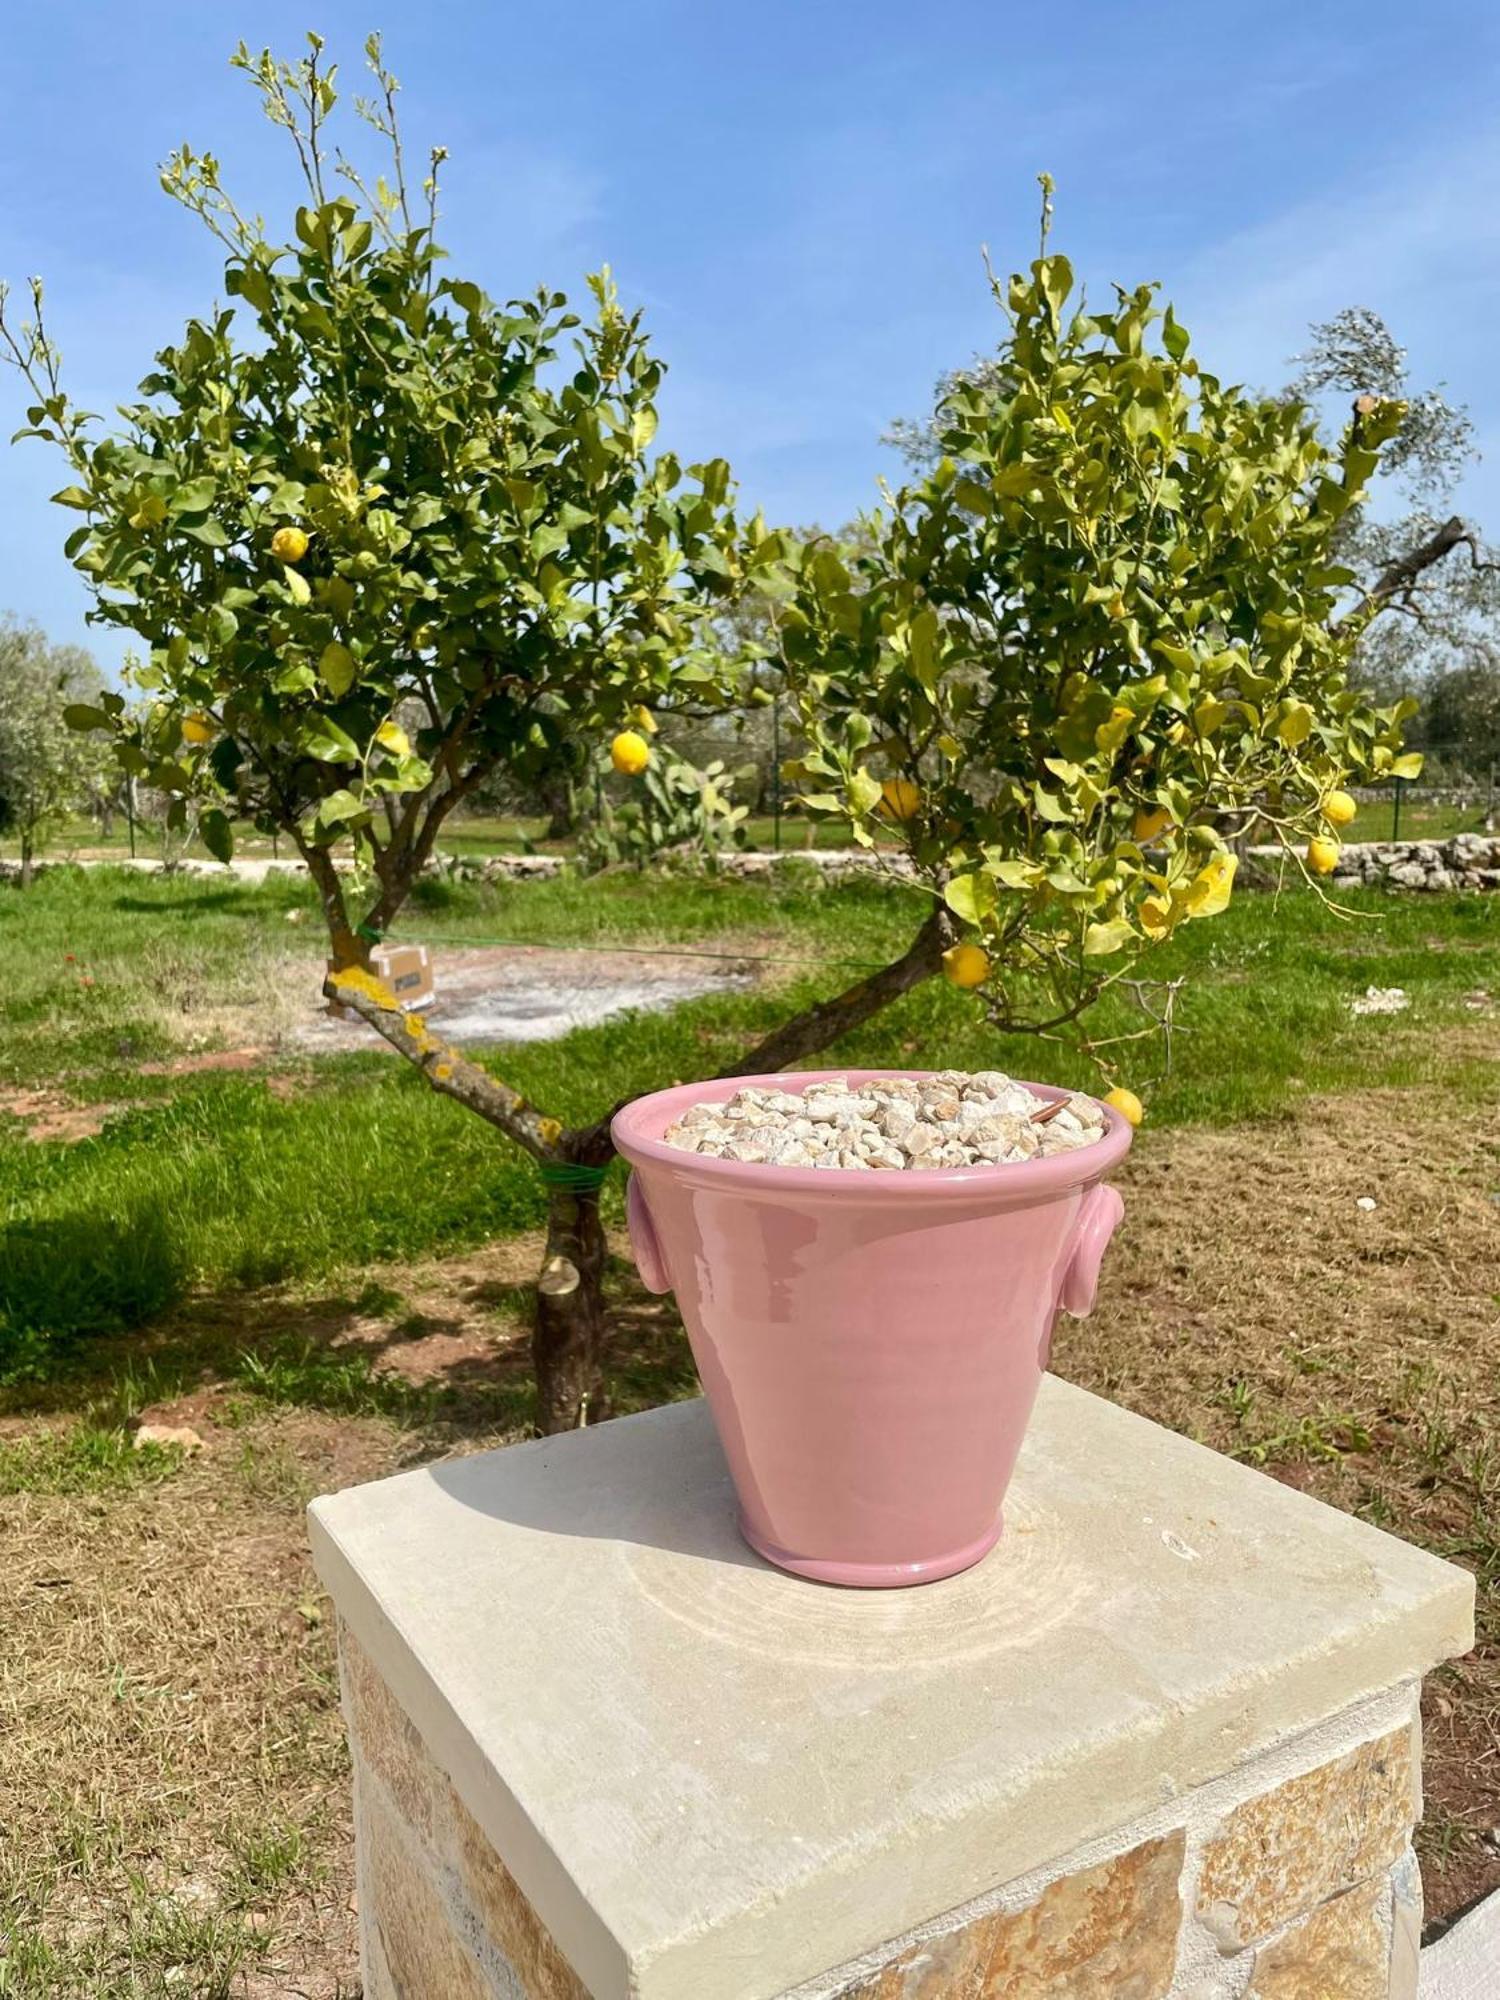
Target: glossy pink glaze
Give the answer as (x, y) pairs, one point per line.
(870, 1343)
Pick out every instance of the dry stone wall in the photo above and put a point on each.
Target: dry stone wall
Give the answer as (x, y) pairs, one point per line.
(1466, 861)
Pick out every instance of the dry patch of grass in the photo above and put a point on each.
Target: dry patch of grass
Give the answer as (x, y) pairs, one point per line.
(1355, 1353)
(174, 1794)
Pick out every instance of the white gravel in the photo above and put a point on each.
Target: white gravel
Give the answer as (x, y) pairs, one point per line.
(953, 1119)
(1381, 1000)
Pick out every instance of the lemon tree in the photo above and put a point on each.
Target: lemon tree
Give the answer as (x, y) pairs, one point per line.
(378, 534)
(1107, 631)
(379, 537)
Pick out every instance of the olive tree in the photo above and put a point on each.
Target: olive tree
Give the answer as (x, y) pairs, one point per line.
(382, 538)
(47, 771)
(1109, 625)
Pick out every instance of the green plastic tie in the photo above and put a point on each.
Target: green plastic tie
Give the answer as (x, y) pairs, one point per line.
(572, 1178)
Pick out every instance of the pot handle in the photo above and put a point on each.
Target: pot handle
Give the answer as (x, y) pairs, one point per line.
(1102, 1210)
(643, 1244)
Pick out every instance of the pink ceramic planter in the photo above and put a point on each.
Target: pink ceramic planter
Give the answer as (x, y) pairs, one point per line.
(871, 1343)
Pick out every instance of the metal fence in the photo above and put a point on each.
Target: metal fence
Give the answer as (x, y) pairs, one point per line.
(1458, 792)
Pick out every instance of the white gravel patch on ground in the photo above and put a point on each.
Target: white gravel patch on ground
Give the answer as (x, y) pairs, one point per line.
(495, 994)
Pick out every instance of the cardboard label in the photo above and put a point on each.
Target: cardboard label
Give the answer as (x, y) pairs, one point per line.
(405, 968)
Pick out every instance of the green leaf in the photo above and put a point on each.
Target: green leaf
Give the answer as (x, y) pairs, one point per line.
(1293, 724)
(79, 715)
(1049, 808)
(1016, 873)
(74, 496)
(193, 496)
(1054, 277)
(1407, 766)
(922, 647)
(864, 791)
(217, 832)
(298, 585)
(322, 738)
(1011, 481)
(222, 625)
(337, 668)
(338, 807)
(643, 427)
(547, 540)
(971, 897)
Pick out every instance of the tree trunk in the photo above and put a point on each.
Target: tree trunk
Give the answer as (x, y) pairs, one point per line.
(345, 943)
(562, 814)
(26, 855)
(567, 1345)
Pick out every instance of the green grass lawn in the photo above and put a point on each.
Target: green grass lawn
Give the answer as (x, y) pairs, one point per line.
(213, 1179)
(1419, 819)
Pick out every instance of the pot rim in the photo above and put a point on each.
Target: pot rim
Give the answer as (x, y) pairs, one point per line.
(636, 1129)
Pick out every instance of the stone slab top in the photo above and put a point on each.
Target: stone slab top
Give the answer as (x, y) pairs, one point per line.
(701, 1771)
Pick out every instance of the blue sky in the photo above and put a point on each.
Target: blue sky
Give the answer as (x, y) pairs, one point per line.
(797, 192)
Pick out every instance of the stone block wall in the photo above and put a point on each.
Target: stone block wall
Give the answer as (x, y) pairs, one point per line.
(1466, 861)
(1290, 1879)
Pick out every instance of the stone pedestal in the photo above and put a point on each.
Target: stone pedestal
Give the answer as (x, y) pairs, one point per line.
(1163, 1741)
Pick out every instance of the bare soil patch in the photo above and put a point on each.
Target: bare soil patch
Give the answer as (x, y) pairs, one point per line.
(43, 1114)
(209, 1060)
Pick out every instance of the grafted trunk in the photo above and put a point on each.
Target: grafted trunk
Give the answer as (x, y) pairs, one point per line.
(567, 1345)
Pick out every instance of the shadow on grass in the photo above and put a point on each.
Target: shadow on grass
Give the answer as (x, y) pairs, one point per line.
(184, 908)
(77, 1279)
(457, 1376)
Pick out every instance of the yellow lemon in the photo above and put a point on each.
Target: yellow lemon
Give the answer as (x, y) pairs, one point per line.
(1322, 855)
(198, 728)
(630, 753)
(1150, 821)
(1127, 1104)
(966, 965)
(900, 798)
(289, 545)
(1339, 808)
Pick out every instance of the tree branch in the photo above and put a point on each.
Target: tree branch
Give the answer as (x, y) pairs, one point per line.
(347, 947)
(805, 1034)
(1399, 578)
(444, 1068)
